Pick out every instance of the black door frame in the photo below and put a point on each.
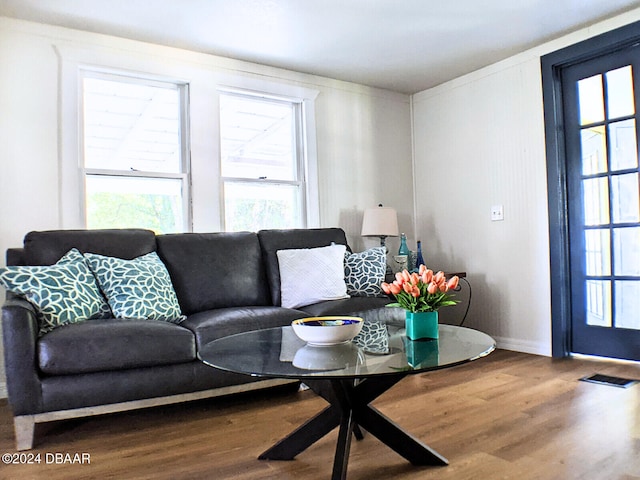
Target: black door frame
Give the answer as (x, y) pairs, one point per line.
(552, 65)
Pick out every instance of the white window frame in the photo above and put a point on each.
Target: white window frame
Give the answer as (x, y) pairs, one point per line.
(301, 172)
(306, 154)
(183, 175)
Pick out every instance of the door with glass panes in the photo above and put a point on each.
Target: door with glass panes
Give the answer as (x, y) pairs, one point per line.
(603, 180)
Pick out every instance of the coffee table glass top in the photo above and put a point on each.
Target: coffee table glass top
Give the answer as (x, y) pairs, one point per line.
(378, 350)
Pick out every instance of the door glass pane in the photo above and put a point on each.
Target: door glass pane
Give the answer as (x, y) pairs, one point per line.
(593, 147)
(620, 92)
(134, 202)
(625, 200)
(598, 252)
(599, 302)
(626, 251)
(595, 193)
(254, 206)
(627, 304)
(591, 100)
(623, 148)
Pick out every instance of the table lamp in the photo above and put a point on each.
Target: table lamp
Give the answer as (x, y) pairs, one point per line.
(380, 222)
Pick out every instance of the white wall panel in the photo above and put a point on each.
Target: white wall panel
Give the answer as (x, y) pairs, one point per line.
(483, 145)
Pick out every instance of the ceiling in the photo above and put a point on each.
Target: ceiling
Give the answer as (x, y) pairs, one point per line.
(401, 45)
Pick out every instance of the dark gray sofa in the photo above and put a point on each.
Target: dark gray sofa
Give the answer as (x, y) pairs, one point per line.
(225, 283)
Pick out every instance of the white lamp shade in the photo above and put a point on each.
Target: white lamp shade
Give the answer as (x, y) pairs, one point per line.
(380, 222)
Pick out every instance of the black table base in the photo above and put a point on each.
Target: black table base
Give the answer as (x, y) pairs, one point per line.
(349, 409)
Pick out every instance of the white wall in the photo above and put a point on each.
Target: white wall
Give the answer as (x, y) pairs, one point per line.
(363, 134)
(479, 141)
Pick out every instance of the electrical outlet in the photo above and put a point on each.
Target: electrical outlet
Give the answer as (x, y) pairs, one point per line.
(497, 213)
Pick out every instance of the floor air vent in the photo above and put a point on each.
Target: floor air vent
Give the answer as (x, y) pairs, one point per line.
(609, 380)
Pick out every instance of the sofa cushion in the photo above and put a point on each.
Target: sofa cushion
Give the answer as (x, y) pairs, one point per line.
(114, 344)
(310, 275)
(45, 248)
(63, 293)
(214, 324)
(273, 240)
(138, 288)
(364, 272)
(215, 270)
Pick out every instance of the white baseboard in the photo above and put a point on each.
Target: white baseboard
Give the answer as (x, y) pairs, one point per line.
(3, 390)
(524, 346)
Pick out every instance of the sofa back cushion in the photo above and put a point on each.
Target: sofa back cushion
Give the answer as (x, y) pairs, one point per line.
(215, 270)
(273, 240)
(46, 248)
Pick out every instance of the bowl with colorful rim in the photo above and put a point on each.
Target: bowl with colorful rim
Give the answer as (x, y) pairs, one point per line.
(332, 330)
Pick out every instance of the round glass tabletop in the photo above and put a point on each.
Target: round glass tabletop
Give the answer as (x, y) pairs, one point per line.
(378, 350)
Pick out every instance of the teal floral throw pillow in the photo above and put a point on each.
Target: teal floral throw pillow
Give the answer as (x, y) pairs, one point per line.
(74, 255)
(138, 288)
(364, 272)
(63, 293)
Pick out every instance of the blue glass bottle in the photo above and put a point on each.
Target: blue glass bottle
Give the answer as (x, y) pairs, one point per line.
(419, 259)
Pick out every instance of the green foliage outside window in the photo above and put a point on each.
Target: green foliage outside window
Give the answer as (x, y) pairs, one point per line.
(160, 213)
(256, 214)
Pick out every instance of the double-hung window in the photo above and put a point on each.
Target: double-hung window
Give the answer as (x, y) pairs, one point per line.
(262, 162)
(134, 152)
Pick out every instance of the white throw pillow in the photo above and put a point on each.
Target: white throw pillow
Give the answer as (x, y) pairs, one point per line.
(311, 275)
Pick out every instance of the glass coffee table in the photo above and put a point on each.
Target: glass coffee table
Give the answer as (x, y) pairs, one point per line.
(349, 377)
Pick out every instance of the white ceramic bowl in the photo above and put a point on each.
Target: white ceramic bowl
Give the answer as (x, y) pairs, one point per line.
(327, 330)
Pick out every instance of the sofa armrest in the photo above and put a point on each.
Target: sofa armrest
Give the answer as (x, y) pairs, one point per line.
(20, 335)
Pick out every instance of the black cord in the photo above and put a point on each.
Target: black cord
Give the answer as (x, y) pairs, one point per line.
(464, 317)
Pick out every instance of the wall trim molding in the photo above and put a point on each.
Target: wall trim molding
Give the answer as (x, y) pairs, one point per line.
(523, 346)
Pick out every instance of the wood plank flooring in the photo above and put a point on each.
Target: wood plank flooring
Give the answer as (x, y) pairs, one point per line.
(507, 416)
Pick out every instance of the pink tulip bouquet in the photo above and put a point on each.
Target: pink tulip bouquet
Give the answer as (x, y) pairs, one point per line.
(424, 291)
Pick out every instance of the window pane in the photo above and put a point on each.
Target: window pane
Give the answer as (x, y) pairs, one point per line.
(131, 126)
(625, 200)
(257, 138)
(598, 303)
(628, 304)
(134, 202)
(622, 145)
(595, 193)
(620, 92)
(591, 100)
(594, 150)
(598, 252)
(626, 251)
(252, 207)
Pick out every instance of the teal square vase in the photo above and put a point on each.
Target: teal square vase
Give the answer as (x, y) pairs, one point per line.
(421, 325)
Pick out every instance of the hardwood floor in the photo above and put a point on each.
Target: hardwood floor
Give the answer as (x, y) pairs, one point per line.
(507, 416)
